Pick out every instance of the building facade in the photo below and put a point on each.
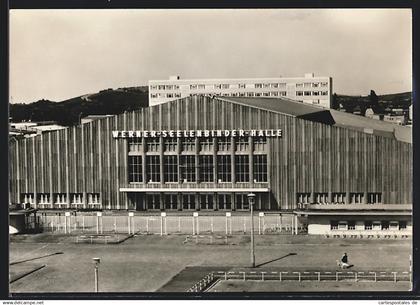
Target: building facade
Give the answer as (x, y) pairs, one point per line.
(208, 153)
(308, 89)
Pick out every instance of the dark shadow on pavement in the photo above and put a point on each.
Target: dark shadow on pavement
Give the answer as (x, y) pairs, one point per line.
(34, 258)
(276, 259)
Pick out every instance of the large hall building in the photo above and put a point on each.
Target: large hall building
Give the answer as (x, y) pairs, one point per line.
(207, 153)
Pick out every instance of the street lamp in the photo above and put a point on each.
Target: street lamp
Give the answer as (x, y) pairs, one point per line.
(251, 200)
(97, 261)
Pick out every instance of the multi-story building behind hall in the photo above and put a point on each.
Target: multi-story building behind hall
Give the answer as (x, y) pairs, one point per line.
(309, 89)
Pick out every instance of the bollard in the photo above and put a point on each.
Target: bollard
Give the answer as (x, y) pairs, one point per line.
(336, 276)
(225, 276)
(147, 225)
(179, 224)
(198, 225)
(226, 225)
(211, 224)
(355, 276)
(244, 219)
(319, 276)
(166, 231)
(259, 225)
(193, 226)
(161, 226)
(230, 225)
(262, 276)
(395, 276)
(280, 279)
(65, 225)
(243, 275)
(263, 225)
(83, 223)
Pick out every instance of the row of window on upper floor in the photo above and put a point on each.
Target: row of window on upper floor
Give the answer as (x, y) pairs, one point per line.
(246, 94)
(368, 225)
(135, 145)
(239, 86)
(338, 198)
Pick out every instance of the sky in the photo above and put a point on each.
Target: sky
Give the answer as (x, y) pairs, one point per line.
(60, 54)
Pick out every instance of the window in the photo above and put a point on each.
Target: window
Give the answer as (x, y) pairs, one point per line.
(153, 95)
(206, 202)
(225, 202)
(201, 87)
(338, 197)
(333, 225)
(27, 198)
(283, 93)
(274, 94)
(93, 198)
(60, 198)
(161, 87)
(307, 85)
(153, 168)
(171, 202)
(241, 86)
(324, 84)
(170, 144)
(266, 85)
(76, 198)
(368, 225)
(242, 168)
(135, 169)
(242, 202)
(356, 197)
(299, 85)
(224, 168)
(299, 93)
(188, 202)
(384, 225)
(153, 201)
(168, 87)
(169, 95)
(402, 225)
(193, 87)
(188, 144)
(153, 87)
(266, 94)
(260, 168)
(206, 144)
(351, 225)
(218, 86)
(135, 145)
(258, 86)
(324, 92)
(342, 225)
(321, 198)
(374, 198)
(260, 143)
(250, 94)
(242, 144)
(152, 144)
(177, 94)
(257, 94)
(316, 93)
(315, 102)
(187, 168)
(225, 86)
(393, 225)
(241, 94)
(307, 93)
(274, 85)
(303, 198)
(170, 168)
(315, 85)
(223, 144)
(44, 198)
(206, 168)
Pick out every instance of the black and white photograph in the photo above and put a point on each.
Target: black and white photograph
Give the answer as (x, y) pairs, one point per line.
(210, 151)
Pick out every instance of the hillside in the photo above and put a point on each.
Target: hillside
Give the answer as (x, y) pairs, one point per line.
(117, 101)
(70, 111)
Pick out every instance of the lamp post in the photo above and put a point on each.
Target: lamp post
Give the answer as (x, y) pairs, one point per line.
(97, 261)
(251, 200)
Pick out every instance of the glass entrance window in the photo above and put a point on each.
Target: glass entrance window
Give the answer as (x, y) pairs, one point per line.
(187, 168)
(224, 168)
(225, 202)
(153, 168)
(206, 168)
(170, 201)
(188, 202)
(170, 168)
(242, 201)
(242, 168)
(153, 201)
(206, 202)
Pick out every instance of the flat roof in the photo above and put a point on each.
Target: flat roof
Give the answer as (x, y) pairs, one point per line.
(360, 207)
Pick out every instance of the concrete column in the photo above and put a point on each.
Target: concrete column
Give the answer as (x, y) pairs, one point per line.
(232, 198)
(197, 151)
(215, 159)
(179, 201)
(197, 201)
(232, 156)
(162, 179)
(215, 201)
(161, 203)
(365, 197)
(251, 160)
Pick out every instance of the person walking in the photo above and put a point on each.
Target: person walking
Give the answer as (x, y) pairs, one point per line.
(344, 261)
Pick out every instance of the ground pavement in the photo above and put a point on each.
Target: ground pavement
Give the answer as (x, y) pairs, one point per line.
(147, 263)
